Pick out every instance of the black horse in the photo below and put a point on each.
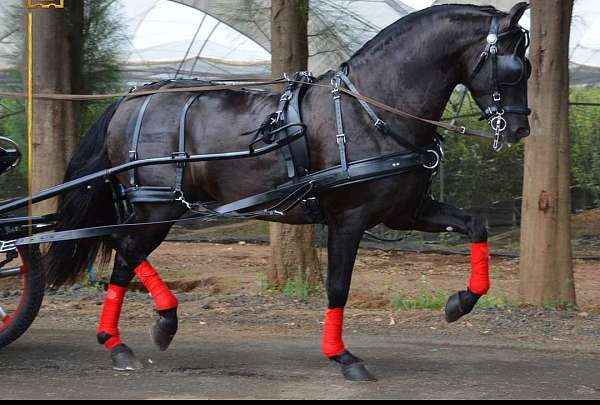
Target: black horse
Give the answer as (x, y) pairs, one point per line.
(414, 65)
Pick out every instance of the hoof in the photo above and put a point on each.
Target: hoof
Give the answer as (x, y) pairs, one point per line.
(460, 304)
(357, 372)
(123, 359)
(160, 337)
(353, 368)
(163, 332)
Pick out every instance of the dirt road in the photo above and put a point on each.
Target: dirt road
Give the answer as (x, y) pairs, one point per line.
(239, 341)
(52, 363)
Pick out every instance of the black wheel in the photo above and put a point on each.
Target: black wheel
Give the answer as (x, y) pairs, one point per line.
(22, 285)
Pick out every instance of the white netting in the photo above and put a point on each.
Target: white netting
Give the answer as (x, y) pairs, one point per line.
(231, 38)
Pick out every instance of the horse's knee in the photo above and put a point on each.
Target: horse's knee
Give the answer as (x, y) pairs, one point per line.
(477, 230)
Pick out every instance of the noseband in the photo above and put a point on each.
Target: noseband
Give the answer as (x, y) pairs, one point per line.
(507, 70)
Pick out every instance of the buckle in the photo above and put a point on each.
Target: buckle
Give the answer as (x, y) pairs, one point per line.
(133, 155)
(180, 157)
(7, 246)
(341, 139)
(497, 96)
(286, 96)
(380, 124)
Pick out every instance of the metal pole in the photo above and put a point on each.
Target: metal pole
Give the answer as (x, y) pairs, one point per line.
(187, 53)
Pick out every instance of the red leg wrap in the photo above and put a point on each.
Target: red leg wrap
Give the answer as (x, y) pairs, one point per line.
(333, 345)
(480, 269)
(109, 322)
(163, 297)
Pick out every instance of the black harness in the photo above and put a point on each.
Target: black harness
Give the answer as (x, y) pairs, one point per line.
(284, 127)
(283, 131)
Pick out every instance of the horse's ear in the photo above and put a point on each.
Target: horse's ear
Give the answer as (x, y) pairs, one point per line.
(516, 13)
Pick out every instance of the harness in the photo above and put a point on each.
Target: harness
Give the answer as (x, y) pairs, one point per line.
(284, 130)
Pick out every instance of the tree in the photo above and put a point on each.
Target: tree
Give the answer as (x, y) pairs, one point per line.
(294, 256)
(56, 57)
(546, 253)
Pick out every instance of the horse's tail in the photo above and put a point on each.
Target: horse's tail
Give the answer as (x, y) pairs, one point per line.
(84, 207)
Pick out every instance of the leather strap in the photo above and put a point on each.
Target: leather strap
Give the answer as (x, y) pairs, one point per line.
(180, 170)
(133, 152)
(339, 123)
(311, 185)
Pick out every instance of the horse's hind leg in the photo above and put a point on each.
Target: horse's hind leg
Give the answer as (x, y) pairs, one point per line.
(132, 252)
(438, 217)
(108, 332)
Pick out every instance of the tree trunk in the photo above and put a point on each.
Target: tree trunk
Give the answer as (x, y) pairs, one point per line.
(55, 123)
(546, 253)
(293, 252)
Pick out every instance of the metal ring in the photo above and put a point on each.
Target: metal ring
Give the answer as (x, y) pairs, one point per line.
(437, 161)
(178, 195)
(498, 124)
(16, 146)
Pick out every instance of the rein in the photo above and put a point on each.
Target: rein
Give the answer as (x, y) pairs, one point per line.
(241, 86)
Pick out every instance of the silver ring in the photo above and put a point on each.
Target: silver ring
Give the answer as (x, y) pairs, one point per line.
(14, 145)
(437, 161)
(498, 124)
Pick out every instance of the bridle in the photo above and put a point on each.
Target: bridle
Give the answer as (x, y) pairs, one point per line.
(507, 70)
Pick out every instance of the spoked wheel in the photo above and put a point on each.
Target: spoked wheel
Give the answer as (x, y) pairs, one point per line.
(22, 284)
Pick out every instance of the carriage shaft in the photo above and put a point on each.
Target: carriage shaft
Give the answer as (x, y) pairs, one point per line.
(108, 173)
(10, 273)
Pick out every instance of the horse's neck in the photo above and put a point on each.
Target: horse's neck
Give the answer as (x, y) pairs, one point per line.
(415, 72)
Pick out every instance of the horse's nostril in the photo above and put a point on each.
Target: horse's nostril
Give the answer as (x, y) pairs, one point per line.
(523, 132)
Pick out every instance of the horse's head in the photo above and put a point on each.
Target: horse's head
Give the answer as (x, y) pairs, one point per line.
(498, 70)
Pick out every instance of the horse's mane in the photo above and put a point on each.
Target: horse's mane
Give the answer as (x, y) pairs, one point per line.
(405, 23)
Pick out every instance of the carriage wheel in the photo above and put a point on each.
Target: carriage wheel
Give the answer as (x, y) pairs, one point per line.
(22, 284)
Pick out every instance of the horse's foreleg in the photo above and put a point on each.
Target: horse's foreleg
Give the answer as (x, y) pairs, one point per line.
(343, 246)
(438, 217)
(108, 333)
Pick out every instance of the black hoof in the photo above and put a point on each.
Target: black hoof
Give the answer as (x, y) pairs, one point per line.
(353, 368)
(357, 373)
(161, 338)
(163, 332)
(123, 359)
(460, 304)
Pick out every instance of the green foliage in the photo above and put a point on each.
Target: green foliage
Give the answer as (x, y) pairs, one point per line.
(103, 36)
(297, 288)
(475, 175)
(585, 135)
(428, 300)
